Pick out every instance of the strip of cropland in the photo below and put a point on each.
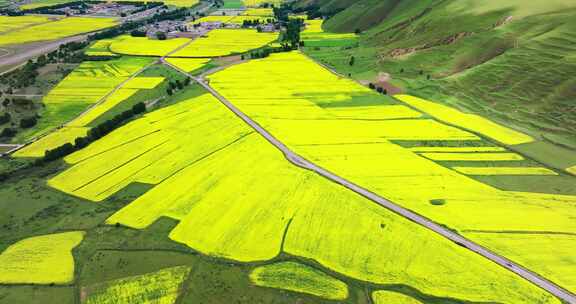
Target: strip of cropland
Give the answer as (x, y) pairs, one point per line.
(217, 43)
(26, 29)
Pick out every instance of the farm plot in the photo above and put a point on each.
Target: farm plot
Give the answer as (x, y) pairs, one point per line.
(153, 154)
(188, 64)
(314, 35)
(86, 85)
(257, 3)
(110, 102)
(472, 156)
(143, 46)
(223, 42)
(504, 171)
(387, 297)
(300, 278)
(79, 126)
(363, 152)
(42, 259)
(55, 29)
(182, 3)
(100, 48)
(42, 3)
(251, 210)
(458, 149)
(161, 287)
(471, 122)
(231, 19)
(15, 23)
(51, 141)
(263, 12)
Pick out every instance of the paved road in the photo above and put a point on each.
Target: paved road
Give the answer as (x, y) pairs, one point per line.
(456, 238)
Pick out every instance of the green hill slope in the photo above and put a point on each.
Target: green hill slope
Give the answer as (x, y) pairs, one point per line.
(513, 61)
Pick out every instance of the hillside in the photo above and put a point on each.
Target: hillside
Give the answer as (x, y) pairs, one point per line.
(511, 61)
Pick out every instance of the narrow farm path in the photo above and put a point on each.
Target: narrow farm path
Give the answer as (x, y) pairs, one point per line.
(299, 161)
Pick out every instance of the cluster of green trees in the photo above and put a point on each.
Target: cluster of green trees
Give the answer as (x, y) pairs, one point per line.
(266, 51)
(177, 85)
(292, 33)
(94, 133)
(5, 118)
(255, 22)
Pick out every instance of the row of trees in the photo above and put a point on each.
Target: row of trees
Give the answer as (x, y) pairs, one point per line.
(94, 133)
(255, 22)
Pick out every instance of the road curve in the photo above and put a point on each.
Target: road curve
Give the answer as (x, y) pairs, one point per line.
(299, 161)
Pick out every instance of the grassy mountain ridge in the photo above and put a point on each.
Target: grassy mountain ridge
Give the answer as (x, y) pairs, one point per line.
(512, 61)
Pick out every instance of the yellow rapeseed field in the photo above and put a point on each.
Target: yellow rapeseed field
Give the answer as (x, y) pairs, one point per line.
(389, 297)
(160, 287)
(88, 84)
(181, 3)
(143, 46)
(51, 141)
(458, 149)
(188, 64)
(56, 29)
(257, 3)
(264, 12)
(214, 18)
(504, 171)
(313, 32)
(114, 99)
(468, 121)
(42, 3)
(223, 42)
(238, 194)
(44, 259)
(375, 112)
(364, 151)
(472, 156)
(9, 23)
(300, 278)
(100, 48)
(143, 83)
(231, 19)
(153, 140)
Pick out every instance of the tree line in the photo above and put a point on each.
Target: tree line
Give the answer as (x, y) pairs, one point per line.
(94, 133)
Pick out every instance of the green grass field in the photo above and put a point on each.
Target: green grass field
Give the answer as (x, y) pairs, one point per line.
(233, 4)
